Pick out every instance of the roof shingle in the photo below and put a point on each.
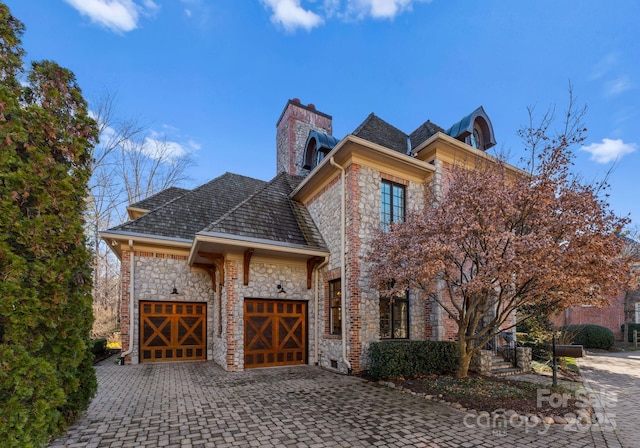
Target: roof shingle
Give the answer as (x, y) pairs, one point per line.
(186, 215)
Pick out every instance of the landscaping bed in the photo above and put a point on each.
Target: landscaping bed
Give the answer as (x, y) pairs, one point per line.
(492, 393)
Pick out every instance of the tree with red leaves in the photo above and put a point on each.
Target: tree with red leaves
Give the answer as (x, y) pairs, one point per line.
(494, 240)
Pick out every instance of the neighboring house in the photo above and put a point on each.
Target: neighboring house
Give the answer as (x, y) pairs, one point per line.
(623, 306)
(250, 273)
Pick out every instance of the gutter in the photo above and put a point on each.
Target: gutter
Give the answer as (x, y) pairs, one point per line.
(316, 311)
(343, 268)
(131, 291)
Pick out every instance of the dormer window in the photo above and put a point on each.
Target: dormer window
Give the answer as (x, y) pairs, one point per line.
(475, 130)
(476, 138)
(316, 149)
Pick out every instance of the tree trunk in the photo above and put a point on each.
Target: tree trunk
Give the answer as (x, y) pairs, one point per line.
(465, 359)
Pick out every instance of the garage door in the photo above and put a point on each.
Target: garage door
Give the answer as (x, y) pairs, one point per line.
(275, 333)
(172, 331)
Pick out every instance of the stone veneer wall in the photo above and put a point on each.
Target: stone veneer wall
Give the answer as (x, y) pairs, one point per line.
(264, 276)
(325, 210)
(365, 193)
(363, 186)
(155, 275)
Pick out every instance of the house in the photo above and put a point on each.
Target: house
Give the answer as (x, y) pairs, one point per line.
(623, 307)
(249, 273)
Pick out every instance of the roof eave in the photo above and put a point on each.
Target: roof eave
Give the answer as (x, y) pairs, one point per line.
(111, 236)
(337, 153)
(237, 241)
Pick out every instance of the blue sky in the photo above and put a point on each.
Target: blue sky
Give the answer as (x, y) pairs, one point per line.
(214, 75)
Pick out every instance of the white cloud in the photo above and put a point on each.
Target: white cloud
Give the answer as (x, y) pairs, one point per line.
(119, 16)
(604, 66)
(381, 9)
(609, 150)
(377, 9)
(157, 146)
(617, 86)
(291, 15)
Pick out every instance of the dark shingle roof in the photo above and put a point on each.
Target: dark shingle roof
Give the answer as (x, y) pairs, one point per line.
(376, 130)
(422, 134)
(186, 215)
(270, 215)
(158, 199)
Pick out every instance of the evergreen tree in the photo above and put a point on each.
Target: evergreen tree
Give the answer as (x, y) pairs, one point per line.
(46, 142)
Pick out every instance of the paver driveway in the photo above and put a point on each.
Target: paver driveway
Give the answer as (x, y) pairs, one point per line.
(615, 378)
(198, 404)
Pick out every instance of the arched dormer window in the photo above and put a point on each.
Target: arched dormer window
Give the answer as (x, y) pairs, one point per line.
(317, 147)
(475, 130)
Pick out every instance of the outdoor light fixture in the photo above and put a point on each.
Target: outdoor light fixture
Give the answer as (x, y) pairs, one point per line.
(175, 290)
(281, 289)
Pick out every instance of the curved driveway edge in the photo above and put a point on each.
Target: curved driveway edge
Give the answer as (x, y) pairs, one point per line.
(198, 404)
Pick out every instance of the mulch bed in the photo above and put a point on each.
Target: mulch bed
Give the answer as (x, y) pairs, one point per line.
(105, 355)
(492, 394)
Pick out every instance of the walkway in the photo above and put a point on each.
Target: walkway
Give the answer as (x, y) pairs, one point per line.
(615, 381)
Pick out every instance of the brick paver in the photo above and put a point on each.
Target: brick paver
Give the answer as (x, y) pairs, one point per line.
(198, 404)
(615, 380)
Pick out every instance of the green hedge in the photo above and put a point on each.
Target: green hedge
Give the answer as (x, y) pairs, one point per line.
(593, 336)
(632, 327)
(98, 346)
(392, 359)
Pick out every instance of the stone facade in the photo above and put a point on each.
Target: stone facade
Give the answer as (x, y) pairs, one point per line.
(155, 276)
(264, 276)
(363, 205)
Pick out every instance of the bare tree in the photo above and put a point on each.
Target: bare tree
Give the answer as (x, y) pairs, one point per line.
(130, 163)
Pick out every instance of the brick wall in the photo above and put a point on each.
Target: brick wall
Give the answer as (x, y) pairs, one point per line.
(125, 318)
(611, 316)
(354, 318)
(292, 131)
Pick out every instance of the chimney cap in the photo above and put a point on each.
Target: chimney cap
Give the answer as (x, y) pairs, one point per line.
(311, 106)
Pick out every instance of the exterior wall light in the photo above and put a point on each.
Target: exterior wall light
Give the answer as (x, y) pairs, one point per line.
(281, 289)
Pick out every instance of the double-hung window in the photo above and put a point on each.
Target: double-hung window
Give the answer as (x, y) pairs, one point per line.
(393, 203)
(394, 317)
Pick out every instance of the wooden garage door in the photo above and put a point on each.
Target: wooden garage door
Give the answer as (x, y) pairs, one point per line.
(275, 333)
(172, 331)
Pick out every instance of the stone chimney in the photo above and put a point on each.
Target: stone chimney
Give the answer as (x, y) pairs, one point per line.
(292, 131)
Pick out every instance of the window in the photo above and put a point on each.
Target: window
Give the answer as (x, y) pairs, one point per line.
(638, 312)
(394, 317)
(335, 306)
(392, 203)
(476, 138)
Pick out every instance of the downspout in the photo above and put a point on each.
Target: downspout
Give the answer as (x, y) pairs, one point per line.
(131, 290)
(316, 311)
(343, 268)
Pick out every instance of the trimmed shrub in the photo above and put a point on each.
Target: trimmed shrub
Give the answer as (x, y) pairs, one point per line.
(393, 359)
(632, 327)
(98, 346)
(592, 336)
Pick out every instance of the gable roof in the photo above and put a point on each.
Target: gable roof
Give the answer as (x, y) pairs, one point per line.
(270, 215)
(186, 215)
(376, 130)
(423, 132)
